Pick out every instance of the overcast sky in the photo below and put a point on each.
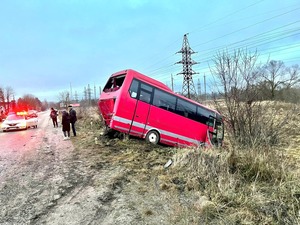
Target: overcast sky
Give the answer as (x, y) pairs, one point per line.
(48, 46)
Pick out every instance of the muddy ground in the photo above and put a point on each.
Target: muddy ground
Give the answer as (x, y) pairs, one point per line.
(83, 181)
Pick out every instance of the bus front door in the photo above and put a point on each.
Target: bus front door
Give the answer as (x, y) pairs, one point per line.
(140, 119)
(216, 131)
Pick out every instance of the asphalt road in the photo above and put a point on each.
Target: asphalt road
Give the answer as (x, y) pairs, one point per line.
(33, 170)
(14, 145)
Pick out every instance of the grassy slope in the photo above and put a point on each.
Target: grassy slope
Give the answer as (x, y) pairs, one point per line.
(245, 186)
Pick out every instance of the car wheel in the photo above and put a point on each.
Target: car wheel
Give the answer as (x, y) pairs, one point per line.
(152, 137)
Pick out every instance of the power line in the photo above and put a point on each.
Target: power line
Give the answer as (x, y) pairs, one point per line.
(229, 15)
(275, 37)
(255, 41)
(269, 33)
(244, 28)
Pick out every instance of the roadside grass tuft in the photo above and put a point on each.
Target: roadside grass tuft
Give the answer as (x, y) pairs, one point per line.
(260, 190)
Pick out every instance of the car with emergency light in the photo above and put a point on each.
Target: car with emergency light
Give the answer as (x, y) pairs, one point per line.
(19, 121)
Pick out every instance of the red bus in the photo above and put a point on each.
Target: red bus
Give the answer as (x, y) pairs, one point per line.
(140, 106)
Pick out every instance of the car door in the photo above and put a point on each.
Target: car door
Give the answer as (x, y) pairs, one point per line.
(29, 121)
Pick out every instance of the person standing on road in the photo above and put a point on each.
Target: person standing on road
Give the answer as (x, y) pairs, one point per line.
(65, 121)
(73, 118)
(53, 115)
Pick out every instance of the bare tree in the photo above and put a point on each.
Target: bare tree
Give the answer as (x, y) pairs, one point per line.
(274, 75)
(293, 76)
(2, 97)
(8, 94)
(64, 98)
(247, 120)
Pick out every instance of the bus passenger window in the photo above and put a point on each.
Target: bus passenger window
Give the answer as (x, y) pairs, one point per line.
(133, 90)
(164, 100)
(145, 96)
(145, 93)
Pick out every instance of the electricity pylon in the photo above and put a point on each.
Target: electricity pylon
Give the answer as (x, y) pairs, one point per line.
(188, 87)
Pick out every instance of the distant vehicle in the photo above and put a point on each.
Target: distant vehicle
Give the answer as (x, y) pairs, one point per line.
(32, 113)
(19, 121)
(138, 105)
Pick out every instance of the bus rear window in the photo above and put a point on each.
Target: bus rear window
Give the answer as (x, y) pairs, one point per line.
(114, 83)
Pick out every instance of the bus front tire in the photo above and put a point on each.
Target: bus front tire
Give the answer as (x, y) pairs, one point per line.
(152, 137)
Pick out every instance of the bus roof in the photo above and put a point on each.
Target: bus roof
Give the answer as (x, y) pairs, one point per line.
(143, 77)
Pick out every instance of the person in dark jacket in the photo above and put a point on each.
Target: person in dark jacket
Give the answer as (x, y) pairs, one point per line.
(65, 121)
(53, 115)
(73, 119)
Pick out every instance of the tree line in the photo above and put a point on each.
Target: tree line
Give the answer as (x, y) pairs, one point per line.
(249, 96)
(27, 102)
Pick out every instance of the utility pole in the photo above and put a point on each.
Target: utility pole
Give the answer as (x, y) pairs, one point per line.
(71, 97)
(204, 87)
(95, 92)
(85, 94)
(76, 97)
(199, 87)
(188, 88)
(89, 94)
(172, 82)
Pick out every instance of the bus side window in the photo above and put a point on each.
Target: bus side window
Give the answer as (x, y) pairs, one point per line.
(203, 116)
(179, 108)
(145, 93)
(133, 90)
(164, 100)
(145, 96)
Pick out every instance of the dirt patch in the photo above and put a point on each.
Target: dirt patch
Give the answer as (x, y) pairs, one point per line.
(126, 178)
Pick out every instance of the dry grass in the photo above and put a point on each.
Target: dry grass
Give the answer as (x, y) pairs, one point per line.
(219, 186)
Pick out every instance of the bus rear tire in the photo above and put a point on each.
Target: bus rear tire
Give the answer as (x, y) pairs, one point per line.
(152, 137)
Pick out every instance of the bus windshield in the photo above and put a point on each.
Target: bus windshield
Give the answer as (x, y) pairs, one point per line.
(114, 83)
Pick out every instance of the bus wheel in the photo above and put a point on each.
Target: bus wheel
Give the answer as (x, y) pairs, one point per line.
(152, 137)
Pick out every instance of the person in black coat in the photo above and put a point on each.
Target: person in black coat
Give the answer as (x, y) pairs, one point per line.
(65, 121)
(53, 115)
(73, 119)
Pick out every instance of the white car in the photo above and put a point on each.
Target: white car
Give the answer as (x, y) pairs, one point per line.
(19, 122)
